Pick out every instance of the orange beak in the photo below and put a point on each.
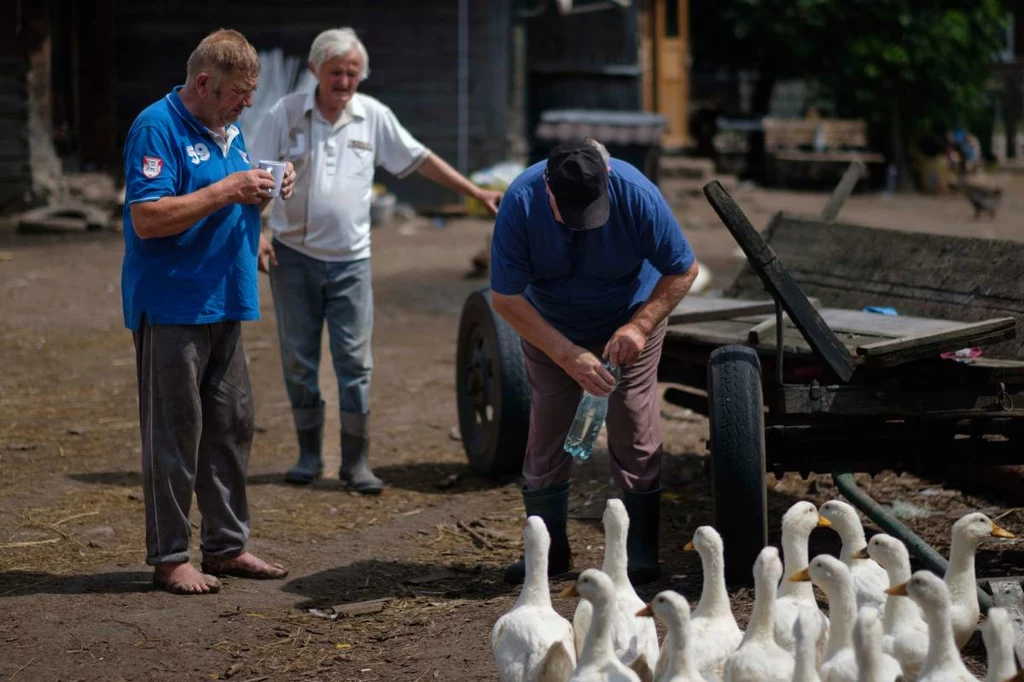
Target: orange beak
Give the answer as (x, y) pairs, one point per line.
(898, 590)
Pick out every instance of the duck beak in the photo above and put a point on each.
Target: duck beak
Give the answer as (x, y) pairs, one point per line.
(998, 532)
(861, 553)
(803, 576)
(823, 522)
(689, 546)
(898, 590)
(645, 612)
(569, 592)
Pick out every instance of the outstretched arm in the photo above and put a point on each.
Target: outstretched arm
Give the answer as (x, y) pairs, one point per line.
(437, 170)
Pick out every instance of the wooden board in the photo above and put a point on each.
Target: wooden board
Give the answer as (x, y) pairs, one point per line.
(704, 308)
(860, 322)
(781, 284)
(919, 346)
(963, 279)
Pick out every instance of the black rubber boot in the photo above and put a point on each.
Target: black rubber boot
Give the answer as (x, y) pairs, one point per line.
(552, 505)
(644, 511)
(309, 427)
(355, 469)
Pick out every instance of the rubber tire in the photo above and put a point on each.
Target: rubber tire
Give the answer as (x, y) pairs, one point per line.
(495, 441)
(736, 418)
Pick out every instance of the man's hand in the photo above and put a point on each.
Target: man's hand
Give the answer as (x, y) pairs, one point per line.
(288, 182)
(247, 187)
(586, 369)
(265, 257)
(625, 345)
(490, 199)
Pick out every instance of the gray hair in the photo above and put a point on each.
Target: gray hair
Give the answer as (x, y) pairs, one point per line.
(605, 156)
(336, 42)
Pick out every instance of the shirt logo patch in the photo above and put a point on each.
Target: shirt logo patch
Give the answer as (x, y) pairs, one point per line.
(359, 144)
(245, 157)
(198, 153)
(152, 166)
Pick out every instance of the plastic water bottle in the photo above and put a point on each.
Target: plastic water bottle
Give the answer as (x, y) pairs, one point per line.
(590, 414)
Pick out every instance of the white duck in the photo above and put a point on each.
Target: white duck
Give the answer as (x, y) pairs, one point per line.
(968, 533)
(806, 631)
(998, 636)
(797, 524)
(906, 634)
(635, 639)
(597, 661)
(676, 662)
(867, 646)
(532, 643)
(833, 577)
(942, 664)
(714, 627)
(759, 658)
(869, 579)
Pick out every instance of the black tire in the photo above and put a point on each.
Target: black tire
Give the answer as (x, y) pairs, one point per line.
(736, 418)
(493, 391)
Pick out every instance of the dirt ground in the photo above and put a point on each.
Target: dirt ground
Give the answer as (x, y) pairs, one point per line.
(74, 591)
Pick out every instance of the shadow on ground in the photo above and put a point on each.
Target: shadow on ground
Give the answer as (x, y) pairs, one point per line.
(441, 478)
(369, 580)
(22, 583)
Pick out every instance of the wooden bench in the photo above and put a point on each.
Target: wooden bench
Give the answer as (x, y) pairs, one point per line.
(792, 152)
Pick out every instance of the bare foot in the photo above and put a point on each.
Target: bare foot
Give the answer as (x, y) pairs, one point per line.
(183, 578)
(245, 565)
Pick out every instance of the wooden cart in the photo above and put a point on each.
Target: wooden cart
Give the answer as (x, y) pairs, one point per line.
(788, 385)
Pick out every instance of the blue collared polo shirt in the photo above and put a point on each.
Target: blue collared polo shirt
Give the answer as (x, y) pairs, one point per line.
(208, 272)
(586, 284)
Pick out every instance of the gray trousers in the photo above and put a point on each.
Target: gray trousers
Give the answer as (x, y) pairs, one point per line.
(196, 414)
(634, 420)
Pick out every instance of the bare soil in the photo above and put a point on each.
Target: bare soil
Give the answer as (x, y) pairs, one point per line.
(75, 593)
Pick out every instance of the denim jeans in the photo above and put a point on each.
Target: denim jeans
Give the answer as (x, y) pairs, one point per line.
(308, 292)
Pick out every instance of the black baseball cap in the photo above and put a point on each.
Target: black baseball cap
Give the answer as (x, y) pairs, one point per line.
(578, 178)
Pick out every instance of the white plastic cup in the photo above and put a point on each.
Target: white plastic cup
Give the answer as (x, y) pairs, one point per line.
(276, 168)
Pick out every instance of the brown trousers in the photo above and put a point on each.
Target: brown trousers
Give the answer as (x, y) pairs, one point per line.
(634, 420)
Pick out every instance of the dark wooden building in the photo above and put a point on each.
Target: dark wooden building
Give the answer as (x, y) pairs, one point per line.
(467, 77)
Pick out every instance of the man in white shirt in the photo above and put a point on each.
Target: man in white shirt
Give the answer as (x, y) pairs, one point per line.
(319, 261)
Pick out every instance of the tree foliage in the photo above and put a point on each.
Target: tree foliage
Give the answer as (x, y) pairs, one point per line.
(926, 61)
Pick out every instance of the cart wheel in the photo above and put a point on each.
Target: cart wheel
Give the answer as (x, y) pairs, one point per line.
(737, 457)
(493, 391)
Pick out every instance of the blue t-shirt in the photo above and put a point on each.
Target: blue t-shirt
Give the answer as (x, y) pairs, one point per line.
(586, 284)
(208, 272)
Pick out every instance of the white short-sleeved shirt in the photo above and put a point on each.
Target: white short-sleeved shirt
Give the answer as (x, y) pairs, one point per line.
(328, 215)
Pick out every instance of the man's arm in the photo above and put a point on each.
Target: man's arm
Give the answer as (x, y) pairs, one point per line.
(437, 170)
(667, 294)
(171, 215)
(629, 340)
(579, 363)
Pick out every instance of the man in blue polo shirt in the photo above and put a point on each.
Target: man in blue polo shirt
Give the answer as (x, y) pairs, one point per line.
(189, 277)
(588, 261)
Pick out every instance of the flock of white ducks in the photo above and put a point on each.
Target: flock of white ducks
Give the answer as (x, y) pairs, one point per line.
(884, 623)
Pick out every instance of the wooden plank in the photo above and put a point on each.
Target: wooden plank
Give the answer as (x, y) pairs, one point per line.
(869, 400)
(908, 348)
(781, 284)
(963, 279)
(704, 308)
(843, 190)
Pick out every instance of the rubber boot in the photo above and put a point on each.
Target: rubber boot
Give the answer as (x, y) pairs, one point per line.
(552, 505)
(309, 427)
(355, 451)
(644, 511)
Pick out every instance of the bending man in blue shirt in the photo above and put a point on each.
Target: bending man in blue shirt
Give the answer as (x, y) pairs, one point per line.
(588, 261)
(191, 232)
